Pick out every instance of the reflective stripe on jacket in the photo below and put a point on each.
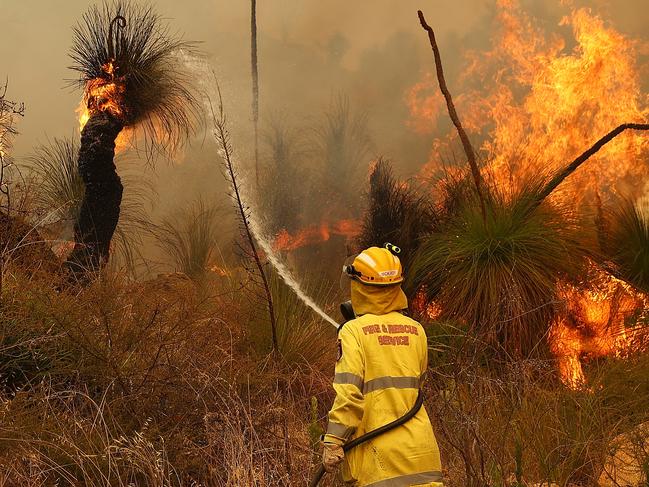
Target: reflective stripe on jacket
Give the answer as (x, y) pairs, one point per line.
(377, 377)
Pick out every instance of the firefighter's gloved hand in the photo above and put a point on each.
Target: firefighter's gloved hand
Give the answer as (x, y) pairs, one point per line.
(332, 456)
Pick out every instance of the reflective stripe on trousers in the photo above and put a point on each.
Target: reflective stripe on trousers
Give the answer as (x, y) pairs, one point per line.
(412, 479)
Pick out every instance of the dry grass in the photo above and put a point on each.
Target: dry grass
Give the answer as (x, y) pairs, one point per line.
(150, 383)
(162, 383)
(520, 426)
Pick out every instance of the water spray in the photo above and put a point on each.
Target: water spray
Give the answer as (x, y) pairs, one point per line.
(205, 73)
(285, 273)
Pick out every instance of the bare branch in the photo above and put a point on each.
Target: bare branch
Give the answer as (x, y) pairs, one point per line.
(574, 165)
(466, 143)
(255, 82)
(223, 138)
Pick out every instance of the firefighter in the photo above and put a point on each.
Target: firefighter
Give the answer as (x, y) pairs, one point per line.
(382, 357)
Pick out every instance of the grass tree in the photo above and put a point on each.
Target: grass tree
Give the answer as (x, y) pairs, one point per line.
(190, 240)
(132, 78)
(494, 259)
(499, 274)
(624, 239)
(59, 195)
(343, 142)
(281, 189)
(395, 213)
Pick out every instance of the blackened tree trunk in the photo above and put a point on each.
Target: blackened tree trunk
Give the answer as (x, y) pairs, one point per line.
(100, 208)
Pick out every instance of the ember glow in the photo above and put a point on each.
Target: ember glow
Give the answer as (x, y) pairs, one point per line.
(314, 234)
(598, 322)
(538, 105)
(105, 94)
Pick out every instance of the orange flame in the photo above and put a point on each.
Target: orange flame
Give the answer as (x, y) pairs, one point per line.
(540, 105)
(315, 234)
(105, 94)
(425, 104)
(595, 324)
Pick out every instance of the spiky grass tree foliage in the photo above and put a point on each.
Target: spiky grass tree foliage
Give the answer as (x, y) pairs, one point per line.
(190, 239)
(60, 187)
(395, 213)
(343, 143)
(282, 189)
(498, 275)
(59, 196)
(624, 239)
(299, 345)
(131, 77)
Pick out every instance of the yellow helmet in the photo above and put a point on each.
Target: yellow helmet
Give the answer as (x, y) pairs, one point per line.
(376, 266)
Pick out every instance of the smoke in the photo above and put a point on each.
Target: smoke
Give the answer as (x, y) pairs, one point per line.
(211, 91)
(372, 51)
(309, 49)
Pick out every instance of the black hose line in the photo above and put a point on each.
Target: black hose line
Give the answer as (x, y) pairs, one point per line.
(373, 434)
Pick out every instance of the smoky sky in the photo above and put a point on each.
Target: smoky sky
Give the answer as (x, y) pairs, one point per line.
(371, 51)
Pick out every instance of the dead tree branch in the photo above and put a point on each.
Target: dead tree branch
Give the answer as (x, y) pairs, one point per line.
(466, 143)
(8, 111)
(574, 165)
(223, 138)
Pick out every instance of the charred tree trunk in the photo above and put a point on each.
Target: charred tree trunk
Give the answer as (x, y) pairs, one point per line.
(100, 207)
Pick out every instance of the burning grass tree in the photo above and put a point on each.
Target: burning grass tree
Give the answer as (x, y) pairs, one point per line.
(494, 260)
(131, 78)
(499, 274)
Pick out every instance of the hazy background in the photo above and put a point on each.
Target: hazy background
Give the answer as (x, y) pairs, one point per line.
(372, 50)
(310, 52)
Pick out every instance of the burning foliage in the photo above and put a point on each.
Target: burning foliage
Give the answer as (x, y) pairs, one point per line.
(624, 240)
(511, 263)
(129, 66)
(131, 78)
(314, 234)
(535, 102)
(341, 146)
(602, 316)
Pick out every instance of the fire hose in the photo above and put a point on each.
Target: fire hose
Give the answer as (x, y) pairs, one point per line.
(348, 313)
(373, 434)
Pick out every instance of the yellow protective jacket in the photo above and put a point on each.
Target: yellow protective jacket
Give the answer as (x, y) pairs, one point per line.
(382, 358)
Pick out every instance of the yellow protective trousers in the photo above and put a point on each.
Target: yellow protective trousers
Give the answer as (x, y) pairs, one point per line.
(382, 358)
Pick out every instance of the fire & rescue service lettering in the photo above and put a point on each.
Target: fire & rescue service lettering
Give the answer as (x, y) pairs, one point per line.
(391, 329)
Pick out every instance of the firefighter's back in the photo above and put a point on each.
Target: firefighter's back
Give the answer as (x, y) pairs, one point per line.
(394, 352)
